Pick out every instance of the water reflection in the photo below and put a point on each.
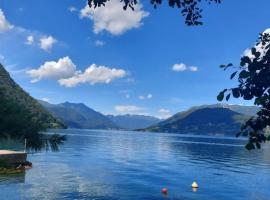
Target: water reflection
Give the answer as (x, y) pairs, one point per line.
(128, 165)
(13, 178)
(34, 143)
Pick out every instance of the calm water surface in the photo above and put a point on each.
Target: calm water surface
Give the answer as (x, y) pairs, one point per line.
(105, 165)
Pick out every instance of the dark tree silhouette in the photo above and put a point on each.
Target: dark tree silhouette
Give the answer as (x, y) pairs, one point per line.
(254, 84)
(190, 9)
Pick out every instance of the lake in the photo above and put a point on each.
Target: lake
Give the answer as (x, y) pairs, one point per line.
(112, 165)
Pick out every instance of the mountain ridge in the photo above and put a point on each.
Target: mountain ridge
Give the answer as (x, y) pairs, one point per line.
(203, 120)
(78, 115)
(132, 121)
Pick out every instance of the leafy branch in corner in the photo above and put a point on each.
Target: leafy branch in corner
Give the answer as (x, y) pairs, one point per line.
(253, 84)
(190, 9)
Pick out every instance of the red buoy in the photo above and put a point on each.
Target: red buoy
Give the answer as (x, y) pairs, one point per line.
(164, 191)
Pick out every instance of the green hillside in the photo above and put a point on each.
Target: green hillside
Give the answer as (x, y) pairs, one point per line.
(210, 121)
(20, 114)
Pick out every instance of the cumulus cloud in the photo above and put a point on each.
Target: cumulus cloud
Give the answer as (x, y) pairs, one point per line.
(29, 40)
(128, 109)
(180, 67)
(113, 18)
(93, 74)
(65, 72)
(4, 24)
(164, 113)
(46, 43)
(63, 68)
(259, 47)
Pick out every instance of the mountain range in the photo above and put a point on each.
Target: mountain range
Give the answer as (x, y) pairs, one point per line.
(20, 112)
(78, 115)
(218, 119)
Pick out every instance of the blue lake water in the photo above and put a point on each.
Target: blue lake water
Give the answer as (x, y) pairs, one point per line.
(112, 165)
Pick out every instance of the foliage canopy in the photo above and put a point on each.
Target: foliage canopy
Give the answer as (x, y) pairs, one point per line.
(190, 9)
(253, 84)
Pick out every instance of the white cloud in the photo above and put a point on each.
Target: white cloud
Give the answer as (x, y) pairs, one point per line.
(259, 47)
(64, 71)
(46, 43)
(45, 99)
(72, 9)
(127, 96)
(180, 67)
(193, 68)
(113, 18)
(93, 74)
(4, 24)
(99, 43)
(128, 109)
(164, 113)
(148, 96)
(29, 40)
(63, 68)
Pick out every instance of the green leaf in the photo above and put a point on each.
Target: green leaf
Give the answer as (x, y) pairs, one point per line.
(244, 74)
(220, 96)
(233, 74)
(258, 145)
(222, 66)
(238, 134)
(228, 97)
(249, 146)
(236, 92)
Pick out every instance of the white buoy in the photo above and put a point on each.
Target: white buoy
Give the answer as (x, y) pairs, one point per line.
(194, 185)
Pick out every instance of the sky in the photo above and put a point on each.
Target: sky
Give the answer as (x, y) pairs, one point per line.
(145, 61)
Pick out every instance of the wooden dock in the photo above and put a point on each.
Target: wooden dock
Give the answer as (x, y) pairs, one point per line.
(13, 158)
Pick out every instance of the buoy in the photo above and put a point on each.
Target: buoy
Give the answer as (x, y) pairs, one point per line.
(194, 185)
(164, 191)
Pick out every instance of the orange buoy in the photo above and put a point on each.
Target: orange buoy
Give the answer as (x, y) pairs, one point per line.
(164, 191)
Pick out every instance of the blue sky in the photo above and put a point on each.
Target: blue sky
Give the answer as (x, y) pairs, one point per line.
(144, 62)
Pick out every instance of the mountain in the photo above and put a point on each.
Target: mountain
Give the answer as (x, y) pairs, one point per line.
(132, 122)
(203, 120)
(245, 110)
(21, 114)
(78, 115)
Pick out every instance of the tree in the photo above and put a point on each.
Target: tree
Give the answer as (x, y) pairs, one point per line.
(18, 123)
(254, 84)
(190, 9)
